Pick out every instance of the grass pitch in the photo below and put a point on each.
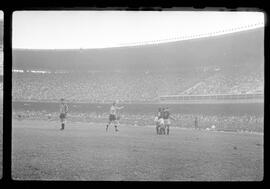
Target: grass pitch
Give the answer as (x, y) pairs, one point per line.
(40, 151)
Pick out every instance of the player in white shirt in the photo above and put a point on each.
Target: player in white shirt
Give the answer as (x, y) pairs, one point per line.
(158, 121)
(113, 117)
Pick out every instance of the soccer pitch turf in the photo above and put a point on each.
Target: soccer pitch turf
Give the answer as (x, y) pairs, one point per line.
(84, 151)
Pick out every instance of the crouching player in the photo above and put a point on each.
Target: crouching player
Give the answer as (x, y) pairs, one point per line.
(63, 113)
(167, 121)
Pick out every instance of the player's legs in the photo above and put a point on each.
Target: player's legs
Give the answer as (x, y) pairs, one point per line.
(111, 119)
(115, 125)
(162, 126)
(62, 120)
(107, 126)
(161, 130)
(157, 125)
(167, 125)
(63, 123)
(168, 128)
(157, 128)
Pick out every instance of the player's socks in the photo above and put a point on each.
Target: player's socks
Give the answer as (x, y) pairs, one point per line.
(107, 127)
(116, 128)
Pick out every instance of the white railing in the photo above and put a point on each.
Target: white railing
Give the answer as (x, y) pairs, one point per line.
(256, 97)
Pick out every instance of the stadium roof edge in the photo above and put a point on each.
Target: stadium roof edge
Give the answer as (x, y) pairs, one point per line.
(183, 95)
(159, 42)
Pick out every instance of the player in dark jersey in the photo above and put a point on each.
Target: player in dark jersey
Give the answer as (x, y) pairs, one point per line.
(113, 117)
(63, 113)
(167, 121)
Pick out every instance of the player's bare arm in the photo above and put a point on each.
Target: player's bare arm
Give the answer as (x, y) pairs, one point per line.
(172, 117)
(119, 107)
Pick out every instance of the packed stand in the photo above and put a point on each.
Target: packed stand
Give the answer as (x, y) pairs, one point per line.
(99, 86)
(229, 83)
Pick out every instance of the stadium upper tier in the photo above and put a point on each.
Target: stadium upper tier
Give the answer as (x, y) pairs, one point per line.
(240, 48)
(133, 86)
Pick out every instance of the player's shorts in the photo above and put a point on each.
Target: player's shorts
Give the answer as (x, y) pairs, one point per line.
(112, 117)
(62, 116)
(161, 121)
(167, 121)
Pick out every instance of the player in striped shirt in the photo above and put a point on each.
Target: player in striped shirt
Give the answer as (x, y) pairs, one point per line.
(63, 113)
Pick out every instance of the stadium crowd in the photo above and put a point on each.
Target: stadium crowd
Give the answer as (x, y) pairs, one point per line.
(130, 86)
(229, 84)
(98, 86)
